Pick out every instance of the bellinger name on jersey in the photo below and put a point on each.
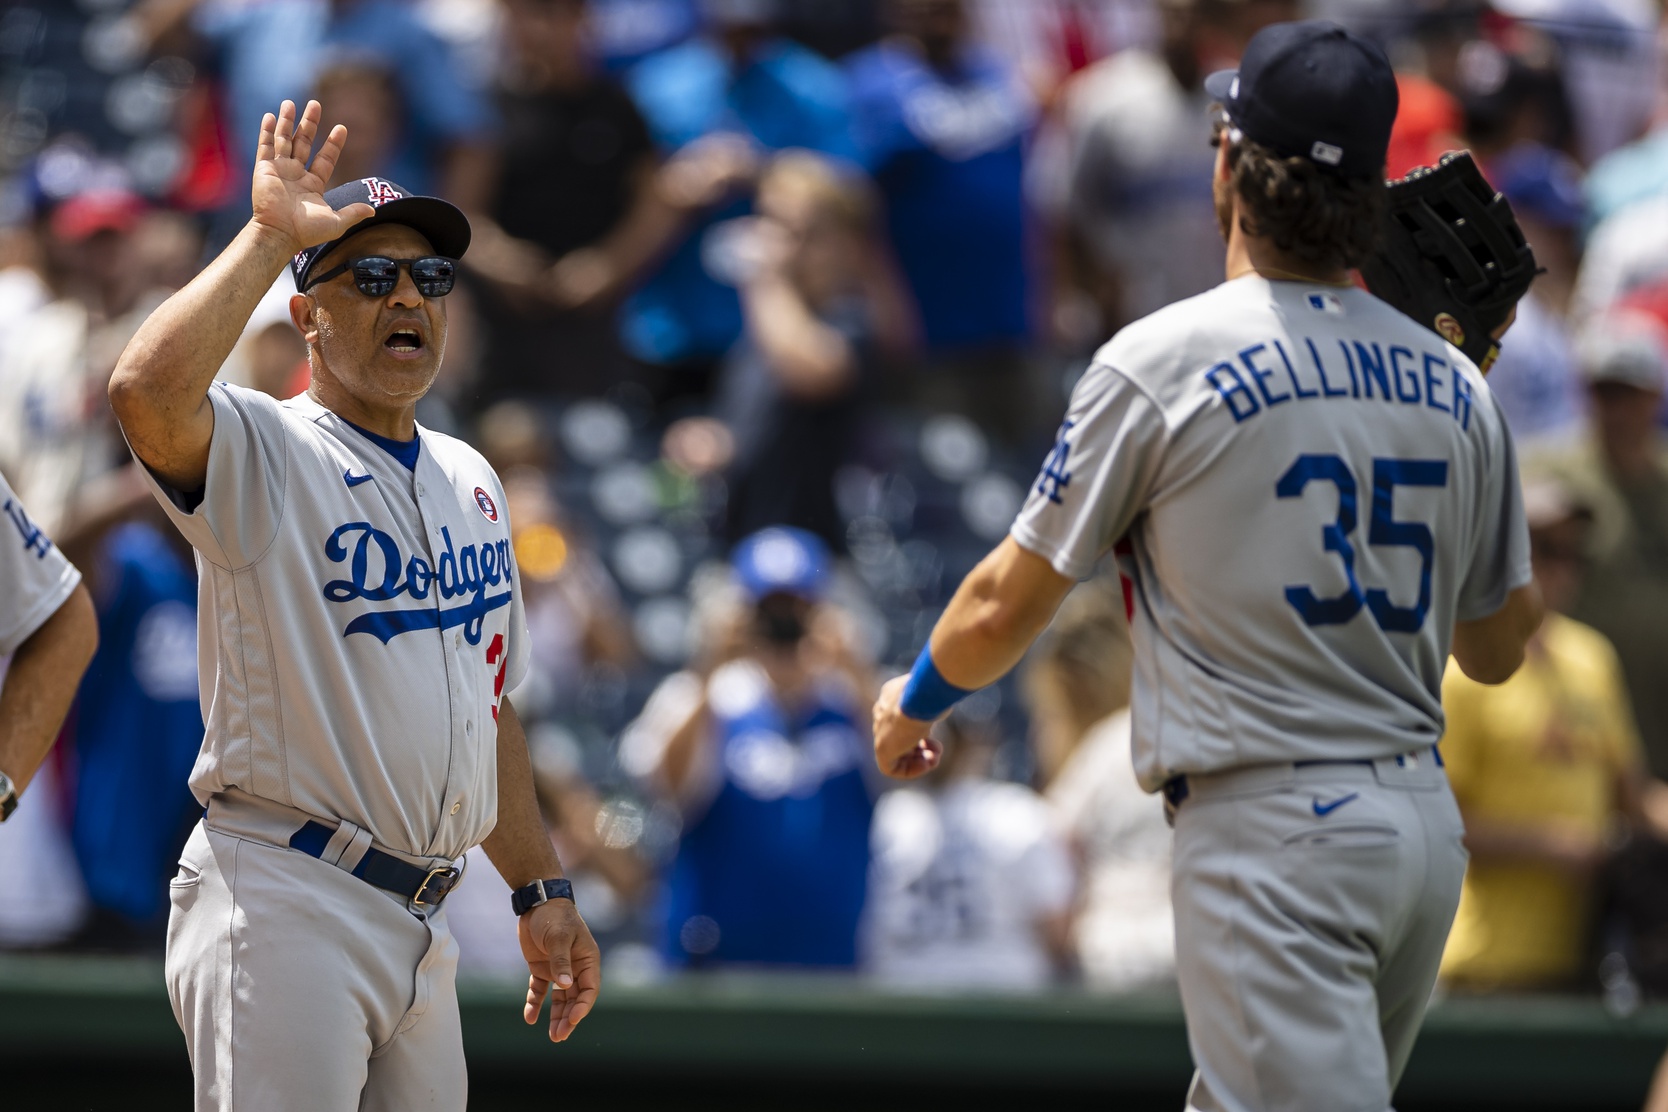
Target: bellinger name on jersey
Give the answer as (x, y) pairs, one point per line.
(1399, 375)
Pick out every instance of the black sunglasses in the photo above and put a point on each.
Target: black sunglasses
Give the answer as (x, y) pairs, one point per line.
(377, 275)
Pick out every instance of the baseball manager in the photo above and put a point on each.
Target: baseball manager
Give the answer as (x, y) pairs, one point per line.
(1320, 503)
(360, 618)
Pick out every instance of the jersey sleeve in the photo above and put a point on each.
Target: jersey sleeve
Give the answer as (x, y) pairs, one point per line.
(1098, 477)
(35, 578)
(235, 518)
(1500, 542)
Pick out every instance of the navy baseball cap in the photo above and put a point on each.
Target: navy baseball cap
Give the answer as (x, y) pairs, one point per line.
(442, 222)
(1313, 90)
(782, 560)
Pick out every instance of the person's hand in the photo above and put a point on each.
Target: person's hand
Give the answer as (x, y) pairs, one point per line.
(904, 747)
(707, 170)
(287, 196)
(562, 960)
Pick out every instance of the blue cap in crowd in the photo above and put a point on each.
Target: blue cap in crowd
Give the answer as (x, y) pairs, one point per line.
(1313, 90)
(781, 560)
(441, 222)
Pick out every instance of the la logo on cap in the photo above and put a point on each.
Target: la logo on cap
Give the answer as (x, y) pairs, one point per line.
(380, 192)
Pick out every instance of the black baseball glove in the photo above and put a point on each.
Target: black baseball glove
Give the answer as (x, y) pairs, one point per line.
(1452, 256)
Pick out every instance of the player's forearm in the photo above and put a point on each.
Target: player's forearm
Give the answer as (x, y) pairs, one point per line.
(160, 386)
(997, 612)
(1491, 649)
(519, 846)
(41, 683)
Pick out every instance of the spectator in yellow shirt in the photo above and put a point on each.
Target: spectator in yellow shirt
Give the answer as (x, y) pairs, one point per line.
(1549, 773)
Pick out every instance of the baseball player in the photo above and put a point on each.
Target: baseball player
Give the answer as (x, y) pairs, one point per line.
(360, 619)
(49, 632)
(1320, 503)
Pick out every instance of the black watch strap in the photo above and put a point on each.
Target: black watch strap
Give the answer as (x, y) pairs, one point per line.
(527, 897)
(8, 797)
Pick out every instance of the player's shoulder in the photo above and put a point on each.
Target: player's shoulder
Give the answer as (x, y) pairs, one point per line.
(1171, 343)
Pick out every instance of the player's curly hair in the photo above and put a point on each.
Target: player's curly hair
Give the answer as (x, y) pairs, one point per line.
(1308, 211)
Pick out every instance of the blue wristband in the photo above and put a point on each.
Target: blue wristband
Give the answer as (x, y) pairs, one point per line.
(928, 694)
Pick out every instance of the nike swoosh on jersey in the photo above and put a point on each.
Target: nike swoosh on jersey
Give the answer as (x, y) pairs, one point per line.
(353, 480)
(1324, 809)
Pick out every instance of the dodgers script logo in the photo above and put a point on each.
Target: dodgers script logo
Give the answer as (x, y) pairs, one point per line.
(381, 192)
(380, 571)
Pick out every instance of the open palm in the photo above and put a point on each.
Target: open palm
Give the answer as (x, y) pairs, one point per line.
(287, 195)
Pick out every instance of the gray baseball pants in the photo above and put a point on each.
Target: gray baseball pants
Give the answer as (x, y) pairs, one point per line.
(1312, 904)
(302, 988)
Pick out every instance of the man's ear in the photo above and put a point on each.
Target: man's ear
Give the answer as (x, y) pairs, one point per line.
(301, 315)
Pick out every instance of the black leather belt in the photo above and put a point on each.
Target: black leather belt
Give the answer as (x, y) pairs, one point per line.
(423, 889)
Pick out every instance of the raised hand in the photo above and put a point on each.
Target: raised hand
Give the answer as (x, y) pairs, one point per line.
(287, 195)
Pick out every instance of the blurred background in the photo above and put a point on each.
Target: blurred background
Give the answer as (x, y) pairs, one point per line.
(760, 287)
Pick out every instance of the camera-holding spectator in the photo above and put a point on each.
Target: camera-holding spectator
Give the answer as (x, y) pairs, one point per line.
(972, 883)
(565, 211)
(1621, 474)
(718, 101)
(1077, 689)
(764, 750)
(942, 123)
(1548, 770)
(791, 393)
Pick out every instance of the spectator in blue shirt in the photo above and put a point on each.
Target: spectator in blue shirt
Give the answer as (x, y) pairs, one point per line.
(764, 748)
(721, 100)
(942, 123)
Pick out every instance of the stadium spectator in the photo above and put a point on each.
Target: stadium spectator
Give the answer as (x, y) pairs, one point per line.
(362, 92)
(717, 102)
(55, 430)
(1077, 690)
(971, 884)
(942, 122)
(1535, 378)
(564, 210)
(791, 393)
(1620, 472)
(764, 749)
(1128, 181)
(1547, 769)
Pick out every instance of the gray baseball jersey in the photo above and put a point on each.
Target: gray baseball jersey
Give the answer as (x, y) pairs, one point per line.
(35, 579)
(1313, 489)
(358, 622)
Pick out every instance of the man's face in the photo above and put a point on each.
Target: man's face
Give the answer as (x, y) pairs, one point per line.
(1556, 551)
(384, 351)
(1625, 414)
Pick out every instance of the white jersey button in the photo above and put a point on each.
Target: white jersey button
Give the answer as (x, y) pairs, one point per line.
(420, 490)
(469, 726)
(456, 807)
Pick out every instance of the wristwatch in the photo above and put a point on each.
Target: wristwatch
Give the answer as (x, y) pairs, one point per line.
(8, 797)
(527, 897)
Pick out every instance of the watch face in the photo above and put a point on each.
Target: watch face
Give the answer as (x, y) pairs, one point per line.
(8, 797)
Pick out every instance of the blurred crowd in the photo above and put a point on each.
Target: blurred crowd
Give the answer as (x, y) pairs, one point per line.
(771, 310)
